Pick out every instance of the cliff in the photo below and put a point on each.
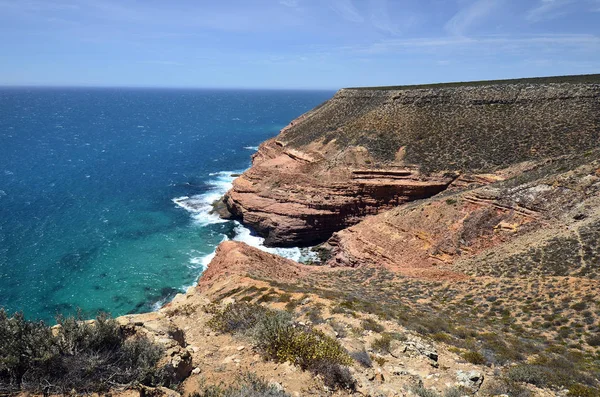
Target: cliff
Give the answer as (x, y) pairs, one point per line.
(368, 150)
(543, 222)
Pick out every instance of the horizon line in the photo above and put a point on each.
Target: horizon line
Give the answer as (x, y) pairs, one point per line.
(143, 87)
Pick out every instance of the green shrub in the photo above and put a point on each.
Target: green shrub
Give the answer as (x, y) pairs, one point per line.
(237, 317)
(285, 297)
(441, 337)
(371, 325)
(579, 306)
(282, 341)
(502, 386)
(593, 340)
(533, 374)
(583, 391)
(474, 357)
(248, 385)
(82, 356)
(383, 344)
(279, 339)
(315, 314)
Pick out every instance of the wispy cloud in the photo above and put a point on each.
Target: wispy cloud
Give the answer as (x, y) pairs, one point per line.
(380, 17)
(575, 42)
(347, 10)
(471, 15)
(289, 3)
(548, 9)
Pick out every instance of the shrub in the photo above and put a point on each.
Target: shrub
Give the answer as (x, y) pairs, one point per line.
(421, 391)
(583, 391)
(291, 305)
(248, 385)
(314, 314)
(82, 356)
(457, 391)
(383, 344)
(533, 374)
(301, 346)
(237, 317)
(334, 375)
(371, 325)
(363, 358)
(502, 386)
(279, 339)
(474, 357)
(285, 297)
(593, 340)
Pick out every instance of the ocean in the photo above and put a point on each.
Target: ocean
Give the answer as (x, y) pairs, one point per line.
(105, 193)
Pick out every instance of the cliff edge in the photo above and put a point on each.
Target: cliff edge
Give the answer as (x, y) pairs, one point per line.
(368, 150)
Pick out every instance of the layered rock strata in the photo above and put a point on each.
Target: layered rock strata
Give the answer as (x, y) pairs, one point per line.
(366, 151)
(545, 222)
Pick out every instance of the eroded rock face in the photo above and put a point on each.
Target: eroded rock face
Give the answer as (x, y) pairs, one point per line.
(367, 151)
(545, 222)
(234, 258)
(290, 204)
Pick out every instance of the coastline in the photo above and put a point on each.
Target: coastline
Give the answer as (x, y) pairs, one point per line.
(201, 210)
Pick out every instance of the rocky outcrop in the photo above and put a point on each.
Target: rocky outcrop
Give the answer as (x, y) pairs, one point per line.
(366, 151)
(300, 210)
(177, 360)
(235, 259)
(543, 222)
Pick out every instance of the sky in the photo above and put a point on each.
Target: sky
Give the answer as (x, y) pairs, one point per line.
(299, 44)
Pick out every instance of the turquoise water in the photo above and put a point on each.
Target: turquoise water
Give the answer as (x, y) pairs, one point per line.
(104, 193)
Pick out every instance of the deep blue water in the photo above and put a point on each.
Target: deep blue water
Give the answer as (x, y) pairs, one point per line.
(87, 182)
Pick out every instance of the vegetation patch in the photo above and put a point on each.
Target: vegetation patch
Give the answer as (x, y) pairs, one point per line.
(280, 339)
(248, 385)
(78, 356)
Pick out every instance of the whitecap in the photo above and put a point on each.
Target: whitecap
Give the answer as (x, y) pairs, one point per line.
(255, 148)
(245, 235)
(3, 193)
(200, 206)
(7, 172)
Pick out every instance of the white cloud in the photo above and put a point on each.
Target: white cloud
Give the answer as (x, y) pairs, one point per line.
(548, 9)
(380, 17)
(347, 10)
(469, 16)
(577, 42)
(289, 3)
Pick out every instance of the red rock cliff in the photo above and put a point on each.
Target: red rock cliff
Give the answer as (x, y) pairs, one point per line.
(369, 150)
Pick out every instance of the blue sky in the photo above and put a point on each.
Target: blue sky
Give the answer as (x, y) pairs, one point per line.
(293, 43)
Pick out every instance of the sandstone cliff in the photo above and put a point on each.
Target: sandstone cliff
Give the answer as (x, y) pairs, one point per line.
(369, 150)
(543, 222)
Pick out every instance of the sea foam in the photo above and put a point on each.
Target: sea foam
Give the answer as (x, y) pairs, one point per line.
(201, 205)
(201, 208)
